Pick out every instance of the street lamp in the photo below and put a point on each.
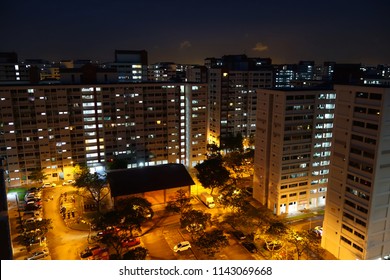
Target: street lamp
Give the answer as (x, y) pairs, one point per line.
(17, 205)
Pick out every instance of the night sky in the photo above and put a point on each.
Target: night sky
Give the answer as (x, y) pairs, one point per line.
(190, 31)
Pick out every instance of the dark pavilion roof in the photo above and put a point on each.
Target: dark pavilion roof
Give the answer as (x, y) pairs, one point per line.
(150, 178)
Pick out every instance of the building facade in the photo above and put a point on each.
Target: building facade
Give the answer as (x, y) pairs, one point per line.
(54, 127)
(233, 82)
(357, 211)
(293, 141)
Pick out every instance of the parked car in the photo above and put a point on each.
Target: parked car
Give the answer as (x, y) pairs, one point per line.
(182, 246)
(130, 242)
(35, 203)
(39, 239)
(249, 191)
(32, 207)
(32, 220)
(47, 185)
(87, 252)
(318, 231)
(239, 234)
(251, 247)
(68, 182)
(38, 255)
(108, 230)
(36, 200)
(32, 214)
(34, 189)
(29, 196)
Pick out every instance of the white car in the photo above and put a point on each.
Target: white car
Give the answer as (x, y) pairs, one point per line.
(47, 185)
(68, 183)
(38, 255)
(318, 230)
(182, 246)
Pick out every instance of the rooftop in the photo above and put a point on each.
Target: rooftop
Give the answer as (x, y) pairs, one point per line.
(146, 179)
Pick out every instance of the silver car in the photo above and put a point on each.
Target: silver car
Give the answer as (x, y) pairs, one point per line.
(38, 255)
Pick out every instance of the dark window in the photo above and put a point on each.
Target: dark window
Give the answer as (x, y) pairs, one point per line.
(361, 95)
(362, 209)
(360, 110)
(376, 96)
(359, 235)
(357, 247)
(346, 240)
(350, 203)
(349, 216)
(372, 126)
(360, 222)
(347, 228)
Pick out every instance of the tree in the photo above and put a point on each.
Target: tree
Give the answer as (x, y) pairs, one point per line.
(234, 198)
(211, 173)
(277, 228)
(92, 183)
(180, 203)
(305, 242)
(232, 142)
(133, 212)
(213, 151)
(107, 219)
(195, 221)
(212, 242)
(37, 175)
(274, 236)
(234, 162)
(139, 253)
(115, 240)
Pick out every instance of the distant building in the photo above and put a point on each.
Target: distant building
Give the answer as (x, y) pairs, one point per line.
(293, 142)
(357, 212)
(284, 75)
(233, 82)
(163, 72)
(88, 73)
(158, 184)
(11, 71)
(131, 66)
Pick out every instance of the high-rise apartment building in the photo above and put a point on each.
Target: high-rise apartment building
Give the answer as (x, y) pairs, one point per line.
(11, 71)
(130, 66)
(357, 211)
(233, 82)
(293, 142)
(53, 127)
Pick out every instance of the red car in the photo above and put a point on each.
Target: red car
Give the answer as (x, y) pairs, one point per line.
(131, 242)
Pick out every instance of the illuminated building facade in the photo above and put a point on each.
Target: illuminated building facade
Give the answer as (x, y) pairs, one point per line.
(233, 82)
(293, 142)
(53, 127)
(357, 211)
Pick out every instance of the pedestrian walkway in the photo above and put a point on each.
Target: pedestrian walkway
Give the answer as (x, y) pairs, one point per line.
(72, 212)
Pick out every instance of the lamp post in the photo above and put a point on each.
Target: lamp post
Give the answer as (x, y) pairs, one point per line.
(17, 206)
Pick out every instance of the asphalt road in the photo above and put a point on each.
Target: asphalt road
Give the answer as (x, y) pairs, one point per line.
(63, 242)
